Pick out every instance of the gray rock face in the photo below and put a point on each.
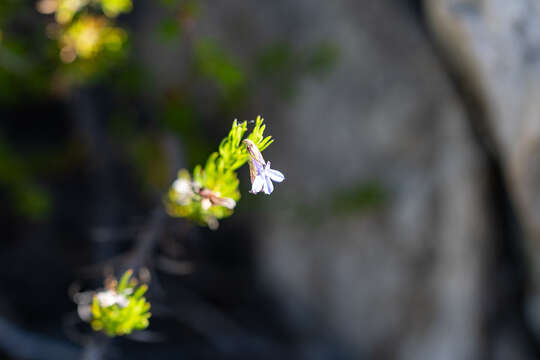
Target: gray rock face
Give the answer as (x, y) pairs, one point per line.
(495, 46)
(394, 265)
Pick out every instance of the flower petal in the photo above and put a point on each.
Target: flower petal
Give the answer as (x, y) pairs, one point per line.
(226, 202)
(229, 203)
(206, 204)
(275, 175)
(269, 187)
(257, 185)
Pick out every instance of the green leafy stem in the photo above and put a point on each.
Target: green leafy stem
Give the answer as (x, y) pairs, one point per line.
(213, 190)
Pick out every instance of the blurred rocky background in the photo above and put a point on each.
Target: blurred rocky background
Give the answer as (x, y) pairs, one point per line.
(408, 226)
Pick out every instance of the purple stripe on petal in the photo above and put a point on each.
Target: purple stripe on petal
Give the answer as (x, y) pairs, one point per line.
(258, 166)
(269, 186)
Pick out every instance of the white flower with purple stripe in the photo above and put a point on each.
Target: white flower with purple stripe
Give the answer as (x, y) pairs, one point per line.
(264, 178)
(260, 173)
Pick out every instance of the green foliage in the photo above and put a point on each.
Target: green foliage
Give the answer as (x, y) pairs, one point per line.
(27, 198)
(282, 65)
(23, 74)
(121, 308)
(362, 198)
(64, 43)
(150, 160)
(214, 63)
(169, 29)
(212, 192)
(88, 44)
(66, 10)
(90, 35)
(181, 116)
(276, 58)
(33, 202)
(113, 8)
(365, 196)
(322, 59)
(232, 154)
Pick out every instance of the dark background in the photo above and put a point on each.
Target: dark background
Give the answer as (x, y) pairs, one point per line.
(406, 227)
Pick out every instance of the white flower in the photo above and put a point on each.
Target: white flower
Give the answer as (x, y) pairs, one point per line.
(260, 173)
(206, 203)
(183, 190)
(263, 180)
(84, 312)
(182, 186)
(109, 298)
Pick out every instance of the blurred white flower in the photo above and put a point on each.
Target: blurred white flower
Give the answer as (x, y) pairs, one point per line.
(183, 189)
(109, 298)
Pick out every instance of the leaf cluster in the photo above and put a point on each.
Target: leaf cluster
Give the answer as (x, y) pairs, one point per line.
(88, 40)
(219, 175)
(117, 320)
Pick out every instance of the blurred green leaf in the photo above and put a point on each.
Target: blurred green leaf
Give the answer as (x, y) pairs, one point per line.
(124, 281)
(323, 59)
(33, 202)
(359, 199)
(214, 63)
(364, 196)
(27, 198)
(112, 8)
(170, 29)
(276, 58)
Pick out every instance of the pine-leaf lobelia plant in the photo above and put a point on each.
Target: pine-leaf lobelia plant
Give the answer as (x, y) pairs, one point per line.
(209, 194)
(212, 192)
